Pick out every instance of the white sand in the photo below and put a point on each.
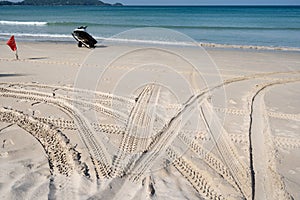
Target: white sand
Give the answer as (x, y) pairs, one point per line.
(148, 123)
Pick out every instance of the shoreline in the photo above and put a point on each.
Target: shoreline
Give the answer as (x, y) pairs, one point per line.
(253, 31)
(116, 41)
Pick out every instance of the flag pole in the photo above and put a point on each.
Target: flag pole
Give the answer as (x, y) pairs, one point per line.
(17, 57)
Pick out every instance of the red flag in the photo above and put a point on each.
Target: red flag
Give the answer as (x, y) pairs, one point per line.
(12, 43)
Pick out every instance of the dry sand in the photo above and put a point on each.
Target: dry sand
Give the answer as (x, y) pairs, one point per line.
(137, 122)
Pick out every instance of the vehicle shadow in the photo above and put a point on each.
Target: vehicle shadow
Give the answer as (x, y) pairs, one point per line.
(100, 46)
(11, 75)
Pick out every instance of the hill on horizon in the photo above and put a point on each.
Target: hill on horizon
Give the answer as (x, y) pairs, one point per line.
(59, 2)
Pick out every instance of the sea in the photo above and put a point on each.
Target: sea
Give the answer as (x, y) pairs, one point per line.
(237, 26)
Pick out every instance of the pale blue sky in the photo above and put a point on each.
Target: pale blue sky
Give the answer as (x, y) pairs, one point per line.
(206, 2)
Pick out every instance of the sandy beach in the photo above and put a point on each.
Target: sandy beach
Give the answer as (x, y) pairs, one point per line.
(148, 122)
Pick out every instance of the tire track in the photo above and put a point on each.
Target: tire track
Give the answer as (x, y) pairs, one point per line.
(165, 137)
(110, 100)
(262, 160)
(212, 161)
(42, 62)
(290, 143)
(99, 95)
(96, 148)
(244, 177)
(227, 150)
(97, 107)
(263, 75)
(145, 161)
(59, 123)
(197, 179)
(135, 128)
(240, 112)
(64, 160)
(279, 141)
(108, 112)
(63, 124)
(269, 184)
(284, 116)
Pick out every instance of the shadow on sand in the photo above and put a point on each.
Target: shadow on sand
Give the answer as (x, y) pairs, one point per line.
(100, 46)
(11, 75)
(38, 58)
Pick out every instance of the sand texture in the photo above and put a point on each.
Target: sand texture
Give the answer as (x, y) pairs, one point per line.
(231, 132)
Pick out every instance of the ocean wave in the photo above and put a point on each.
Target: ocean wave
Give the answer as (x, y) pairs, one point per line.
(65, 37)
(38, 35)
(201, 44)
(158, 42)
(22, 23)
(75, 24)
(64, 23)
(255, 47)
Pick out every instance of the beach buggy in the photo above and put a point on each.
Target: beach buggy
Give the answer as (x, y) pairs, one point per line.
(83, 38)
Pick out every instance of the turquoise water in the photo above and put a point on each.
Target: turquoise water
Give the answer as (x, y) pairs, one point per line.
(260, 26)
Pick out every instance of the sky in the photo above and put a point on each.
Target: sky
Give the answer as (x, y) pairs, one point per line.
(206, 2)
(202, 2)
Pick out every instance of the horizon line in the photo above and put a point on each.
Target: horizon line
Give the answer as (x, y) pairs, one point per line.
(211, 5)
(191, 4)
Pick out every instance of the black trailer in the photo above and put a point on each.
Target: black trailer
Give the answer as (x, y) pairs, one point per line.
(83, 37)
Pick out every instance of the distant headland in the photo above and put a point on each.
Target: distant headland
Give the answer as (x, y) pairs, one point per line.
(59, 2)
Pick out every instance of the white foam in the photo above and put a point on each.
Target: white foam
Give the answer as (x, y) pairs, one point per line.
(138, 41)
(215, 45)
(21, 23)
(232, 46)
(38, 35)
(177, 43)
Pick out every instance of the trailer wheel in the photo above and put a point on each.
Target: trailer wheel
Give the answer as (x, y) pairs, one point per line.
(79, 44)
